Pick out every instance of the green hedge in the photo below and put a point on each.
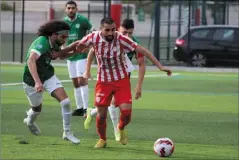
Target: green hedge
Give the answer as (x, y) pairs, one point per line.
(5, 6)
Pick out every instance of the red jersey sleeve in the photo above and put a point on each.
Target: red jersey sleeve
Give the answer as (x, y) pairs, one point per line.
(87, 40)
(128, 44)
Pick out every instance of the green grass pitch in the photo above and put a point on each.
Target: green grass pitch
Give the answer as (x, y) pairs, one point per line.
(198, 111)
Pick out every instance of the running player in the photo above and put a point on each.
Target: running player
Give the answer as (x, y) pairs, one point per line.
(79, 26)
(39, 76)
(127, 29)
(110, 48)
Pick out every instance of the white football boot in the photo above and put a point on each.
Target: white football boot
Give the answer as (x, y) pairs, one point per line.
(32, 127)
(68, 135)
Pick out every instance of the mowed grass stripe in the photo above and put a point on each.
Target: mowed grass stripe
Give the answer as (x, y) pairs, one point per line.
(150, 100)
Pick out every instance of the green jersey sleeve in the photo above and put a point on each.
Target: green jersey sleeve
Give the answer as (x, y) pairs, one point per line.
(137, 55)
(135, 40)
(40, 46)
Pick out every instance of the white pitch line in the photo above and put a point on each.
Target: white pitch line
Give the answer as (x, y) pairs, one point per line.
(223, 75)
(65, 81)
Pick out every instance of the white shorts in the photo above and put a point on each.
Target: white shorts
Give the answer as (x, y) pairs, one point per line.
(128, 64)
(76, 68)
(34, 97)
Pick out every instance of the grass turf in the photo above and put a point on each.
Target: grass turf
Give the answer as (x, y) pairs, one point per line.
(198, 111)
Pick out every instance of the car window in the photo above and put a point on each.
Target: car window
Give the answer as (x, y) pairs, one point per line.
(237, 39)
(224, 35)
(200, 34)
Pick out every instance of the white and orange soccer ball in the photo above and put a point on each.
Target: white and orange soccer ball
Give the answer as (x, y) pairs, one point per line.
(163, 147)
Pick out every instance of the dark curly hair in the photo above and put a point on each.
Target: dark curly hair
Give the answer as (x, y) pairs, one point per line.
(51, 27)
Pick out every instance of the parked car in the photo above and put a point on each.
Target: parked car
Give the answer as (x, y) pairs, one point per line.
(208, 45)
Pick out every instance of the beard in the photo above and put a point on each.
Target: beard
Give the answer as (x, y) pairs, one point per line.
(109, 38)
(71, 15)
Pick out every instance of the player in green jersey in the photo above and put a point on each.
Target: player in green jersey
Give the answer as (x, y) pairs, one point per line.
(39, 76)
(79, 26)
(126, 28)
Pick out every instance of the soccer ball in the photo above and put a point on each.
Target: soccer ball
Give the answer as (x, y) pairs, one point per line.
(163, 147)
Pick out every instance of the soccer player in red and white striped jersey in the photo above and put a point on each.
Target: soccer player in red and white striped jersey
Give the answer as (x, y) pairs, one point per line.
(126, 28)
(110, 48)
(109, 55)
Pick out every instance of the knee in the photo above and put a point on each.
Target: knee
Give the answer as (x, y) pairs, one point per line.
(101, 120)
(36, 103)
(127, 112)
(66, 105)
(102, 116)
(125, 107)
(83, 81)
(76, 83)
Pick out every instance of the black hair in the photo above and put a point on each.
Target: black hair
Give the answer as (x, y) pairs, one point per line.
(71, 2)
(107, 20)
(128, 23)
(51, 27)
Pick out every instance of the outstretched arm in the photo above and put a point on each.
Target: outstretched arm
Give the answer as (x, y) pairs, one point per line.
(130, 45)
(72, 49)
(90, 58)
(150, 56)
(141, 74)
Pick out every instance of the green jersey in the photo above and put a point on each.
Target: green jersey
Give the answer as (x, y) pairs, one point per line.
(131, 54)
(78, 29)
(43, 47)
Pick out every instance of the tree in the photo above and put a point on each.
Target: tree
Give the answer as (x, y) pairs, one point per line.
(5, 6)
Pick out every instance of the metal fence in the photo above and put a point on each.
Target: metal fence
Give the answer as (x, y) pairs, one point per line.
(158, 23)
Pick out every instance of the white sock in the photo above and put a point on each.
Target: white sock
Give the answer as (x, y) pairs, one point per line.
(77, 93)
(114, 115)
(32, 116)
(85, 95)
(93, 112)
(66, 113)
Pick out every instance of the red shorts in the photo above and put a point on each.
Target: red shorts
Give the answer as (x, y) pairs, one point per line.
(121, 90)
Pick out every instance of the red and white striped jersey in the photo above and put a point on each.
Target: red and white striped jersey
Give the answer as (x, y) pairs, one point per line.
(110, 55)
